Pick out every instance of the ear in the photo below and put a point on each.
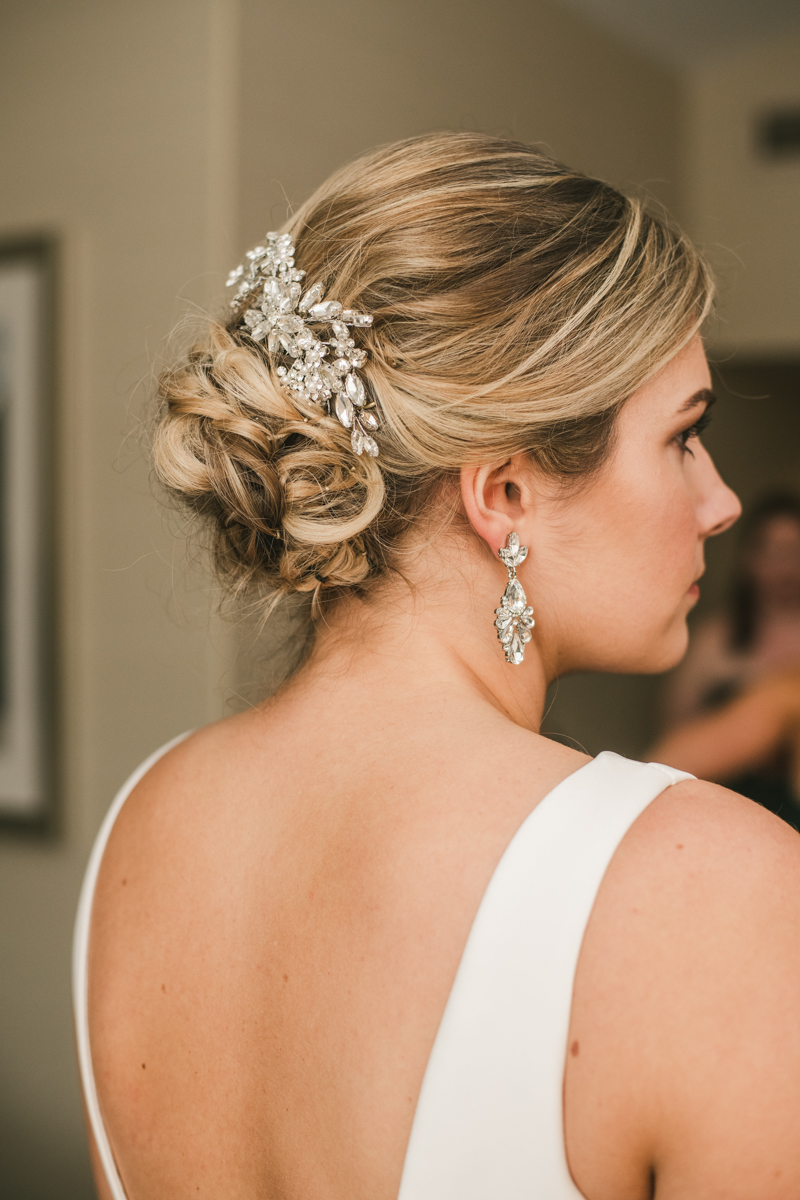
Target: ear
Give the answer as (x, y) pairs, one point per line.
(498, 499)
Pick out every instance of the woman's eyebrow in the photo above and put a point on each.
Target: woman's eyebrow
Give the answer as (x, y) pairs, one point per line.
(704, 396)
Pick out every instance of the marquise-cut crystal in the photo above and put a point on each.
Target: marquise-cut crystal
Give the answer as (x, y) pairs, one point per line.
(357, 441)
(355, 389)
(514, 596)
(312, 297)
(515, 652)
(368, 419)
(327, 311)
(370, 445)
(344, 410)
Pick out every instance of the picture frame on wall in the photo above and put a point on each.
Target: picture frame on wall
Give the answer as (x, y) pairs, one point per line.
(28, 667)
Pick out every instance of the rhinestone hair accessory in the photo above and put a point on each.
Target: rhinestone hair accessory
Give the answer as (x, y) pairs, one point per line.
(514, 618)
(282, 314)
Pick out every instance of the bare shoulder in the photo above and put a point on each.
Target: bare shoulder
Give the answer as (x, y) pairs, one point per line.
(186, 814)
(717, 835)
(720, 877)
(217, 756)
(688, 997)
(198, 756)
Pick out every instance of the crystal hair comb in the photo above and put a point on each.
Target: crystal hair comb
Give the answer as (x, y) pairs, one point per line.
(280, 313)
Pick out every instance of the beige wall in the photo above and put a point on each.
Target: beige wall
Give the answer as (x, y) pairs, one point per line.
(743, 207)
(112, 138)
(119, 133)
(320, 84)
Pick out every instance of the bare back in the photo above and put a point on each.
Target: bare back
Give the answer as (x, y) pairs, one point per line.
(281, 921)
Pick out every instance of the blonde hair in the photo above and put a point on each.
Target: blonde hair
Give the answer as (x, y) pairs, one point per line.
(517, 305)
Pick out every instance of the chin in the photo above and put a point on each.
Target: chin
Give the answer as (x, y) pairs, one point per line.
(652, 654)
(667, 652)
(630, 649)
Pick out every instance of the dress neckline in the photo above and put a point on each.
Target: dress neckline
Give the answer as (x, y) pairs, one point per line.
(545, 806)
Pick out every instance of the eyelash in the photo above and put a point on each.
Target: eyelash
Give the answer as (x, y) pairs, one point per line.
(693, 431)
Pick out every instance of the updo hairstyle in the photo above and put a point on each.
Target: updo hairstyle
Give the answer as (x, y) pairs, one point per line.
(517, 304)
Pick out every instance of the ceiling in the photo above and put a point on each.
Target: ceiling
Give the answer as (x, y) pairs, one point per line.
(685, 32)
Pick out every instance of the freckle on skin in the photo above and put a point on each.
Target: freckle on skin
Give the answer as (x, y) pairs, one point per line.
(286, 979)
(142, 1066)
(575, 1049)
(679, 846)
(124, 882)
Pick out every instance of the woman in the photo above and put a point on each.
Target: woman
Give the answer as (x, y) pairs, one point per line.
(732, 703)
(334, 939)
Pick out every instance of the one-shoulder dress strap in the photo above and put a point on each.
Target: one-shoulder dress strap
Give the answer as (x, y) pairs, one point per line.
(80, 970)
(489, 1120)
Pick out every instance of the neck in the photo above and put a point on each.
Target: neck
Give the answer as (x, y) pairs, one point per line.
(438, 636)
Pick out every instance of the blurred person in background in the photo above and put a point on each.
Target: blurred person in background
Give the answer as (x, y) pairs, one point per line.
(732, 706)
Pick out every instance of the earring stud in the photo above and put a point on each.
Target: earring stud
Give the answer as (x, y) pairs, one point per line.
(514, 618)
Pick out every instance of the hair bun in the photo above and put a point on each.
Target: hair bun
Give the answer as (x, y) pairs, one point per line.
(286, 497)
(517, 303)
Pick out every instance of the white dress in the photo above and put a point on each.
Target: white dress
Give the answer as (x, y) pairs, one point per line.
(489, 1121)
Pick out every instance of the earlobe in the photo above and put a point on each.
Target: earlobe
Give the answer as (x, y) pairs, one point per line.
(497, 499)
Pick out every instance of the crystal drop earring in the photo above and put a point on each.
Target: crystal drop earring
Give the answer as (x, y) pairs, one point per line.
(514, 618)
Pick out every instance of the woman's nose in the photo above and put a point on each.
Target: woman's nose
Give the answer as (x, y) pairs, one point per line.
(719, 506)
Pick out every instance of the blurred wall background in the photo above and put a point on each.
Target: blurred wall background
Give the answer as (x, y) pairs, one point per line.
(156, 141)
(115, 138)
